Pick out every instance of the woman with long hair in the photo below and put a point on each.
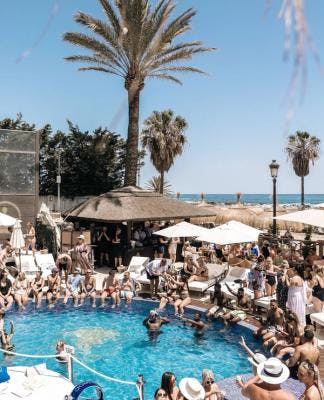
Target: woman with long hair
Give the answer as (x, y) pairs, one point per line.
(168, 384)
(212, 391)
(308, 374)
(20, 287)
(318, 288)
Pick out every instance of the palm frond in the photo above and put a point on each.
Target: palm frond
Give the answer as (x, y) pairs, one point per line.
(112, 16)
(166, 76)
(99, 69)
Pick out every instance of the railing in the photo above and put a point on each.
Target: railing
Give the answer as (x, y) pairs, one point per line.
(139, 384)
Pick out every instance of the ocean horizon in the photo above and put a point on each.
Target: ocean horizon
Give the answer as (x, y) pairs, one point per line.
(250, 198)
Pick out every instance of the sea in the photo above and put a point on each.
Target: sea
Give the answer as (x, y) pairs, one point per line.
(249, 198)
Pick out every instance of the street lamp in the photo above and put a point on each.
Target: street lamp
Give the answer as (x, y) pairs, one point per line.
(274, 166)
(58, 178)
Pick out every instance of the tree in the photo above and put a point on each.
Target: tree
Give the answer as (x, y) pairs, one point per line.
(302, 149)
(136, 42)
(163, 135)
(154, 184)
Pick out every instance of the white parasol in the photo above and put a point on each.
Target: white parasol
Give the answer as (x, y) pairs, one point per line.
(308, 217)
(239, 226)
(182, 229)
(17, 240)
(6, 220)
(225, 235)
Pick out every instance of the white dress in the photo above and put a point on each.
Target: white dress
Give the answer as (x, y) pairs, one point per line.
(297, 302)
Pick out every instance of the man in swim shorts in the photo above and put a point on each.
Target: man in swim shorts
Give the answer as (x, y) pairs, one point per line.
(110, 288)
(54, 287)
(64, 265)
(74, 287)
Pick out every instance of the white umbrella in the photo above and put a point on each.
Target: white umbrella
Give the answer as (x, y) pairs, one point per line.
(239, 226)
(182, 229)
(308, 217)
(17, 240)
(6, 220)
(225, 235)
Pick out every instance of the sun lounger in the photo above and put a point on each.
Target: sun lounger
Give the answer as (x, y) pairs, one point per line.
(45, 263)
(137, 266)
(213, 271)
(318, 318)
(26, 263)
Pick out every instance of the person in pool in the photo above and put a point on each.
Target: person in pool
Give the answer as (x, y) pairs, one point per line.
(6, 339)
(154, 321)
(196, 323)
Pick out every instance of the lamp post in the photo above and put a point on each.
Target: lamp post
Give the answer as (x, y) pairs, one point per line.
(58, 178)
(274, 166)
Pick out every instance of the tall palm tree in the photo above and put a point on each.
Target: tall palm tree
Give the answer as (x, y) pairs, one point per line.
(136, 42)
(154, 184)
(163, 135)
(302, 149)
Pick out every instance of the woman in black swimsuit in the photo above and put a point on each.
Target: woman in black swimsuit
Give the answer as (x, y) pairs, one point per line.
(6, 297)
(318, 288)
(36, 289)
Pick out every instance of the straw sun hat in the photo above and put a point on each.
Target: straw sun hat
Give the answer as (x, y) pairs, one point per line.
(273, 371)
(191, 389)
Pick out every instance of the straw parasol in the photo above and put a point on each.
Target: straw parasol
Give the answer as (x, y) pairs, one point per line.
(17, 240)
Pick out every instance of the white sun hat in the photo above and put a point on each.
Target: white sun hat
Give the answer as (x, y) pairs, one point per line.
(257, 359)
(273, 371)
(192, 389)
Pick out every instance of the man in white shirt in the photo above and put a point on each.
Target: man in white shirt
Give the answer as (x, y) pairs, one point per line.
(154, 270)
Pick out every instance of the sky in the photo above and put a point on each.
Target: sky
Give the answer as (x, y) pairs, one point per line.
(237, 114)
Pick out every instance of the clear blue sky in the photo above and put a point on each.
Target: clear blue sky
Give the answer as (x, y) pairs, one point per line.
(236, 115)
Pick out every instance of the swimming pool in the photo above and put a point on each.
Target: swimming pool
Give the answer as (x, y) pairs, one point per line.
(114, 342)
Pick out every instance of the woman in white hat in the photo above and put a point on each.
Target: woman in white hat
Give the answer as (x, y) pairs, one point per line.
(308, 374)
(191, 389)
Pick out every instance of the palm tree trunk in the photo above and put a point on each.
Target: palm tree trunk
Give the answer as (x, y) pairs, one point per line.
(132, 137)
(302, 191)
(161, 182)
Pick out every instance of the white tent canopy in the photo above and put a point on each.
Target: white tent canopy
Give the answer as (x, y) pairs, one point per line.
(239, 226)
(6, 220)
(226, 235)
(308, 217)
(182, 229)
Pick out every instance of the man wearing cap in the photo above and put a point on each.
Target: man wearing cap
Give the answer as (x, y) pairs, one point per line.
(271, 374)
(54, 286)
(154, 321)
(154, 270)
(74, 287)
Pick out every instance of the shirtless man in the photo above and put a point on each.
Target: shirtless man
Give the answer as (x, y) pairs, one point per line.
(110, 288)
(89, 288)
(54, 286)
(274, 319)
(196, 323)
(241, 298)
(306, 351)
(272, 374)
(154, 321)
(64, 264)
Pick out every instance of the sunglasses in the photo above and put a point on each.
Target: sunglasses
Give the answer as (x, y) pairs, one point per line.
(209, 382)
(162, 395)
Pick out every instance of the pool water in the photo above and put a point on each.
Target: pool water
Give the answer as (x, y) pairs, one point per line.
(114, 342)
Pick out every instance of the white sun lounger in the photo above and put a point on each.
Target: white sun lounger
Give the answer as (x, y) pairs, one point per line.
(213, 271)
(318, 318)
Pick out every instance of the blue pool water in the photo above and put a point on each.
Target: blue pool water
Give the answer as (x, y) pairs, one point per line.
(116, 343)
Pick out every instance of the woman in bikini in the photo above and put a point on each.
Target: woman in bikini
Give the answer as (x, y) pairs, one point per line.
(36, 290)
(271, 281)
(170, 294)
(126, 287)
(212, 391)
(20, 287)
(318, 288)
(183, 293)
(308, 374)
(168, 383)
(6, 291)
(89, 288)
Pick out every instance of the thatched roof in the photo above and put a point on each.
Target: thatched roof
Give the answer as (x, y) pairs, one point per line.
(135, 204)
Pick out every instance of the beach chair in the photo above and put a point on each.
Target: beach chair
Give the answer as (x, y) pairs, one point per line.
(26, 263)
(45, 263)
(213, 271)
(137, 266)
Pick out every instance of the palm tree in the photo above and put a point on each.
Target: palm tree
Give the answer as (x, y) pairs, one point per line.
(154, 184)
(302, 149)
(163, 135)
(136, 42)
